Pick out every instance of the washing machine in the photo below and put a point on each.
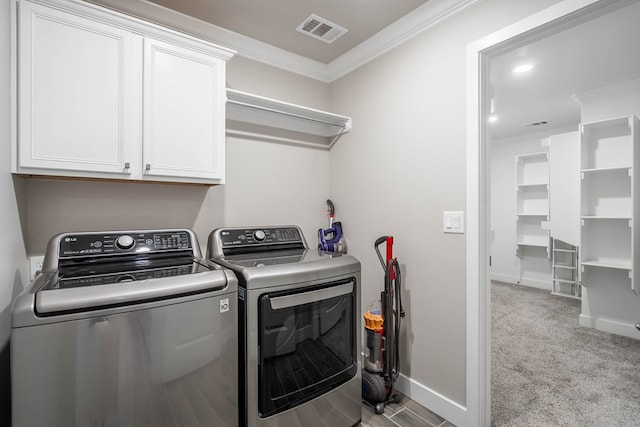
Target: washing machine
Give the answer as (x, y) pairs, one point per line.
(125, 328)
(299, 334)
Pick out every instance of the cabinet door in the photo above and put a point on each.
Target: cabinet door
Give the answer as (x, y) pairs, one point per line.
(183, 110)
(76, 95)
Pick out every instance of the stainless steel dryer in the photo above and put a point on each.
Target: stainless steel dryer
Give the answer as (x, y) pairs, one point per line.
(125, 328)
(299, 334)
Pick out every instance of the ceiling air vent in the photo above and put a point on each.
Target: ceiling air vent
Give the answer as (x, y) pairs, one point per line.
(321, 29)
(540, 123)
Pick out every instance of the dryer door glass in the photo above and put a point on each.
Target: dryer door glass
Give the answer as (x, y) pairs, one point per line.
(307, 343)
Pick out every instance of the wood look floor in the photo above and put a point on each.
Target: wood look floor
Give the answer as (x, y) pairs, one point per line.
(407, 413)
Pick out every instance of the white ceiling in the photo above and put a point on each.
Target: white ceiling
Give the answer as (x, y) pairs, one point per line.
(596, 53)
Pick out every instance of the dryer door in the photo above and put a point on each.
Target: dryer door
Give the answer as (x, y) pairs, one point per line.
(307, 343)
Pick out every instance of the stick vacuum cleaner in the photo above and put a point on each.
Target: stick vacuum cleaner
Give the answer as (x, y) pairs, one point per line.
(382, 326)
(331, 239)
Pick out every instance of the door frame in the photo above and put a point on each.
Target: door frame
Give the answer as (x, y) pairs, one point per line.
(558, 17)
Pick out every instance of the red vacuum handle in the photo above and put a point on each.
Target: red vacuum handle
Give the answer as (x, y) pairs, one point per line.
(390, 254)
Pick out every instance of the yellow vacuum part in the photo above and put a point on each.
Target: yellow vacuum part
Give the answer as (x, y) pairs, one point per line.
(373, 321)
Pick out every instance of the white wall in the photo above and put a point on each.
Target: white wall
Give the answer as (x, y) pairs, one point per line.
(260, 79)
(611, 101)
(564, 188)
(532, 267)
(400, 167)
(13, 266)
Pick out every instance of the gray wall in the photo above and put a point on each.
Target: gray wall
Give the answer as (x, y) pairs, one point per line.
(401, 166)
(13, 266)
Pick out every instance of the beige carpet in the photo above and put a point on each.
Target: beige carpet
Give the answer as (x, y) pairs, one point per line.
(548, 371)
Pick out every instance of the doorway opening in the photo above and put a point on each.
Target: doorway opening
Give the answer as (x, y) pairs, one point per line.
(551, 21)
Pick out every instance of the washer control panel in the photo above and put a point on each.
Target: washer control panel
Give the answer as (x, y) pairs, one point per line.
(82, 244)
(247, 237)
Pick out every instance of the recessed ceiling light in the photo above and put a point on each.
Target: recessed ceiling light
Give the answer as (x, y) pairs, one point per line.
(493, 118)
(523, 68)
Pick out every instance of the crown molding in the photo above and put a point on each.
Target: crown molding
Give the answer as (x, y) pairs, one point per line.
(404, 29)
(268, 54)
(419, 20)
(626, 88)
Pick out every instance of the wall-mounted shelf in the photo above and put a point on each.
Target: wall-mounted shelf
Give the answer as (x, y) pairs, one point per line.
(621, 265)
(533, 244)
(610, 196)
(270, 113)
(532, 201)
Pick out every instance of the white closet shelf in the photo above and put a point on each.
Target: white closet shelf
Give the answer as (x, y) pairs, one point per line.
(541, 155)
(620, 265)
(533, 244)
(249, 108)
(535, 185)
(606, 170)
(605, 217)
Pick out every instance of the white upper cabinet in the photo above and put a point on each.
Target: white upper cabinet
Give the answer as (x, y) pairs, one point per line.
(75, 93)
(182, 95)
(103, 95)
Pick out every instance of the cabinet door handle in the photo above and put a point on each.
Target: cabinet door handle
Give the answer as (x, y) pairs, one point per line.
(127, 165)
(147, 167)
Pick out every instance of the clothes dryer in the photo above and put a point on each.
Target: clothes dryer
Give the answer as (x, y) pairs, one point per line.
(299, 327)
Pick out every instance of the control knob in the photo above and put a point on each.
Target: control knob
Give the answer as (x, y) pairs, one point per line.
(259, 235)
(125, 242)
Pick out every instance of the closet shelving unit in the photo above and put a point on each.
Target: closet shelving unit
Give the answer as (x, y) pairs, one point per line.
(610, 201)
(565, 270)
(532, 201)
(325, 128)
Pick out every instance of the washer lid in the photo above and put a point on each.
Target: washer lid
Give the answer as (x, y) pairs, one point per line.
(76, 294)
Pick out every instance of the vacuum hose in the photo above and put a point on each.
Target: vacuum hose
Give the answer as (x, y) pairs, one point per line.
(392, 309)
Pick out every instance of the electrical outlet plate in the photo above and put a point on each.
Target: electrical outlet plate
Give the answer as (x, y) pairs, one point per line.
(35, 265)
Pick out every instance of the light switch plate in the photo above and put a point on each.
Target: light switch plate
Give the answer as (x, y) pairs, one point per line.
(453, 222)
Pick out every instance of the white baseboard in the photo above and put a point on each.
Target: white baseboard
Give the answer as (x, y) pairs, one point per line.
(540, 284)
(433, 401)
(611, 326)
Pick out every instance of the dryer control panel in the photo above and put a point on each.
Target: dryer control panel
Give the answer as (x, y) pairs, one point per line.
(225, 241)
(257, 236)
